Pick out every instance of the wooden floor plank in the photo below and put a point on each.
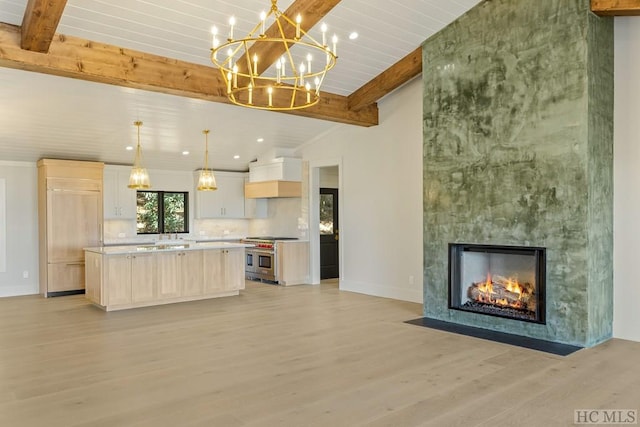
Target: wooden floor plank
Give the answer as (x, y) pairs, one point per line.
(285, 356)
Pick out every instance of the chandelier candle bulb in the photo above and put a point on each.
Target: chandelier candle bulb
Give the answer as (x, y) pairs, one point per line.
(298, 21)
(232, 22)
(302, 69)
(270, 91)
(278, 77)
(309, 58)
(263, 17)
(335, 44)
(283, 61)
(308, 88)
(229, 82)
(323, 28)
(235, 76)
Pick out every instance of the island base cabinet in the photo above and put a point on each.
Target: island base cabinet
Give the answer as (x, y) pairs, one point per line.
(143, 278)
(120, 281)
(224, 270)
(118, 274)
(191, 273)
(167, 268)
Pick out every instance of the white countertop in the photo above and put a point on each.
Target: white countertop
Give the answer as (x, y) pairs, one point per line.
(190, 246)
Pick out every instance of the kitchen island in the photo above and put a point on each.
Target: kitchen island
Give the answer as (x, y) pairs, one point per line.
(122, 277)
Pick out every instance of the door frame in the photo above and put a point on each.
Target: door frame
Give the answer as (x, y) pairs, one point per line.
(314, 218)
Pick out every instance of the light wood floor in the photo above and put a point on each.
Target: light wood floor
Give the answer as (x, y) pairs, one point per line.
(294, 356)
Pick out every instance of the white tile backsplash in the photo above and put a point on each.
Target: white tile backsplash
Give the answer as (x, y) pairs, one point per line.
(284, 220)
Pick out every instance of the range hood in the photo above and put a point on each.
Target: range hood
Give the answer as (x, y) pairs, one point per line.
(276, 177)
(270, 189)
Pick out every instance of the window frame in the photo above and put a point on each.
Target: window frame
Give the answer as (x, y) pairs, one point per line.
(161, 224)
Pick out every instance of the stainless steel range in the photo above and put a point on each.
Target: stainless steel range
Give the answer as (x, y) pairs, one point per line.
(261, 260)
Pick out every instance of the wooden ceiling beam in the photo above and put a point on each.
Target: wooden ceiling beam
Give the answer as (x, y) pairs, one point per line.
(387, 81)
(616, 7)
(98, 62)
(39, 24)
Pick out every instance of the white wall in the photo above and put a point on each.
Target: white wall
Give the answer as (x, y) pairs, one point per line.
(626, 180)
(381, 197)
(329, 177)
(21, 203)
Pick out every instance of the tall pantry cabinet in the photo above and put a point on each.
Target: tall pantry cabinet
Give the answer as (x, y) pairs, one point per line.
(69, 219)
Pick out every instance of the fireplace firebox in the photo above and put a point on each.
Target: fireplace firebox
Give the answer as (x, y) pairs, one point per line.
(503, 281)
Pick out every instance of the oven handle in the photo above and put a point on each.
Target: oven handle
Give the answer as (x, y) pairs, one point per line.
(266, 252)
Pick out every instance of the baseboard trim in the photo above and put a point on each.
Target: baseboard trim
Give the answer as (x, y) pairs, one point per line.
(411, 295)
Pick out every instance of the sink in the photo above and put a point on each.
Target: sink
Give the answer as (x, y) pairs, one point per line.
(172, 246)
(146, 248)
(179, 242)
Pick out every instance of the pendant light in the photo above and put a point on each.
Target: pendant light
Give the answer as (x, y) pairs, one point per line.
(206, 182)
(139, 178)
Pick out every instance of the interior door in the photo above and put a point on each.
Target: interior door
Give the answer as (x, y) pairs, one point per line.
(329, 234)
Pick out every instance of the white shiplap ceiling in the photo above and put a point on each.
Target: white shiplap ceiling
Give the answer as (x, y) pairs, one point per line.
(48, 116)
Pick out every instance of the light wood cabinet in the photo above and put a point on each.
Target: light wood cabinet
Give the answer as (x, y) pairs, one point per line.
(167, 275)
(224, 270)
(143, 278)
(293, 262)
(191, 273)
(128, 280)
(118, 274)
(234, 268)
(69, 219)
(119, 200)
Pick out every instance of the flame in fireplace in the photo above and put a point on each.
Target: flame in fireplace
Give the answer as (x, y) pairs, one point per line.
(500, 291)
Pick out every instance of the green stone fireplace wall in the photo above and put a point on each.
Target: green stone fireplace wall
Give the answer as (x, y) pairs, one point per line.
(518, 150)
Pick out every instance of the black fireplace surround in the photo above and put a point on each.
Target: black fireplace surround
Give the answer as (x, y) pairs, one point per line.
(502, 281)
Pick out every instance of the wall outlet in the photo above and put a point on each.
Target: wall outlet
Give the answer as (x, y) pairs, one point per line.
(25, 274)
(122, 235)
(411, 280)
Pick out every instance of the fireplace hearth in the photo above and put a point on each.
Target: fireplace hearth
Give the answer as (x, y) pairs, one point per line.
(503, 281)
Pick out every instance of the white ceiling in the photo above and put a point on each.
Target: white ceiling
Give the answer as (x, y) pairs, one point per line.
(48, 116)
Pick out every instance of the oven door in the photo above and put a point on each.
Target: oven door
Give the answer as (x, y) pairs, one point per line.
(264, 265)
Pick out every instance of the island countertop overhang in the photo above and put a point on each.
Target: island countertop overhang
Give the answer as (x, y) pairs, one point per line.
(120, 250)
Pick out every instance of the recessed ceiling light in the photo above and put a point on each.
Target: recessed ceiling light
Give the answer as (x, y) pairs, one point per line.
(353, 35)
(129, 148)
(260, 140)
(236, 157)
(185, 153)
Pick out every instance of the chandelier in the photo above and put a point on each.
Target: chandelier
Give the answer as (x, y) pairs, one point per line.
(279, 69)
(206, 181)
(139, 178)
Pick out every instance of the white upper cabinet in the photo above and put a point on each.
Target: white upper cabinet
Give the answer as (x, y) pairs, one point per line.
(119, 200)
(226, 202)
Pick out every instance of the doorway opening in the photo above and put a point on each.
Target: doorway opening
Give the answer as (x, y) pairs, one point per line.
(329, 234)
(325, 237)
(329, 227)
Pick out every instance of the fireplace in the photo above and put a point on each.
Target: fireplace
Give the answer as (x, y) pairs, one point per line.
(503, 281)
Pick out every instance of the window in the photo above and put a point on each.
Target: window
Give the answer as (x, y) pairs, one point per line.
(162, 212)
